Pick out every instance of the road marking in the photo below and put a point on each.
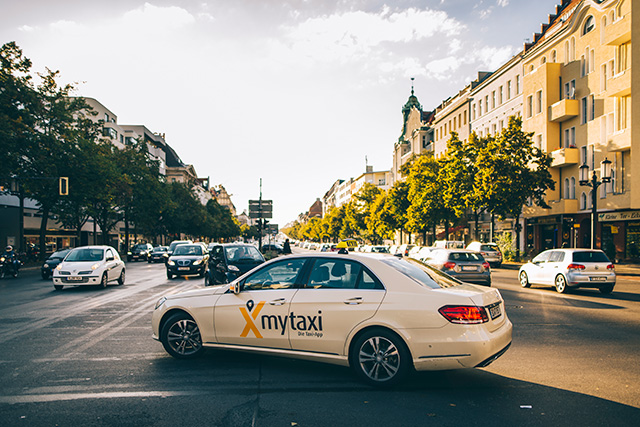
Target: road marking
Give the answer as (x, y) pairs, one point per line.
(57, 397)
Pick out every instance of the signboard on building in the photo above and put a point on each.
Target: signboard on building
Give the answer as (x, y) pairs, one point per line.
(619, 216)
(259, 209)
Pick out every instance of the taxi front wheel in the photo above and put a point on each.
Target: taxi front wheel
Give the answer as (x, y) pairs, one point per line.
(380, 358)
(180, 337)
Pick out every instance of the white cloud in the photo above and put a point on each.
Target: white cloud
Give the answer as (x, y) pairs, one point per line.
(150, 17)
(443, 68)
(491, 58)
(26, 28)
(503, 3)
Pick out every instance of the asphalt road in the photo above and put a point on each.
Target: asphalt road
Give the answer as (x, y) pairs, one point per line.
(85, 357)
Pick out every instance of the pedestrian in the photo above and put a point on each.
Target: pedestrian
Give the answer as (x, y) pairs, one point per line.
(286, 248)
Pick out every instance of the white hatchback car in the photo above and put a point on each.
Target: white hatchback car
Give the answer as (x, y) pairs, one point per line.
(570, 268)
(89, 265)
(379, 314)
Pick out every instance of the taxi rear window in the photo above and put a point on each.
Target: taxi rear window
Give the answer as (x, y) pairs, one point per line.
(423, 274)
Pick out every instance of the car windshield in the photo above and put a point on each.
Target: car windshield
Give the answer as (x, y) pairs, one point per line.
(59, 254)
(488, 248)
(423, 274)
(85, 255)
(140, 246)
(589, 256)
(243, 254)
(172, 246)
(160, 249)
(188, 250)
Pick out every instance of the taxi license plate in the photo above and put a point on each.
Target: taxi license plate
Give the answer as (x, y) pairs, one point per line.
(495, 311)
(597, 279)
(74, 278)
(183, 268)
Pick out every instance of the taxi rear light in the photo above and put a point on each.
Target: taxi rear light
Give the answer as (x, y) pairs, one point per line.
(464, 314)
(449, 265)
(486, 265)
(611, 267)
(576, 267)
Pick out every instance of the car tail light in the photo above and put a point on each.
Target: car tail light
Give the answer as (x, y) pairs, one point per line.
(463, 314)
(611, 267)
(575, 267)
(486, 265)
(449, 265)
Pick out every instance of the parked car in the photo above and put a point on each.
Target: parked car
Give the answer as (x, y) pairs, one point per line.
(403, 250)
(229, 261)
(46, 271)
(89, 265)
(448, 244)
(187, 260)
(464, 265)
(139, 252)
(157, 254)
(570, 268)
(272, 248)
(424, 253)
(490, 252)
(381, 315)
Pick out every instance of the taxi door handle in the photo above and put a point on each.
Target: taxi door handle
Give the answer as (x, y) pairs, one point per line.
(354, 301)
(279, 301)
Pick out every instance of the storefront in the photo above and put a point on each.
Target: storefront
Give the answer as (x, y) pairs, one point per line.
(551, 232)
(620, 237)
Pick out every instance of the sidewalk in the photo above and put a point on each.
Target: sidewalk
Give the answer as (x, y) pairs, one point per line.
(621, 269)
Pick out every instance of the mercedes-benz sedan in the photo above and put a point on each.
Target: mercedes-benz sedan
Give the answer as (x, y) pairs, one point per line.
(381, 315)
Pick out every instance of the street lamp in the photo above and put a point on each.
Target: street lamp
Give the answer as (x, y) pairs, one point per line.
(585, 181)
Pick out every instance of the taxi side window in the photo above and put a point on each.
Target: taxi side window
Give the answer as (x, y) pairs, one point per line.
(340, 274)
(109, 254)
(543, 257)
(280, 275)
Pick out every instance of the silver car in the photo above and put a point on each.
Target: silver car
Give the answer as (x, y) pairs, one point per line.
(464, 265)
(490, 252)
(570, 268)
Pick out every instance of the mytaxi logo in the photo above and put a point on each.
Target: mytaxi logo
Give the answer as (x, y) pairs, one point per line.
(305, 325)
(250, 326)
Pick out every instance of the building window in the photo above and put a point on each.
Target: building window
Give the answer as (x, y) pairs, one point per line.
(592, 107)
(572, 49)
(493, 99)
(464, 117)
(566, 189)
(589, 25)
(570, 137)
(509, 89)
(583, 155)
(603, 77)
(518, 84)
(529, 106)
(583, 110)
(622, 55)
(572, 188)
(554, 56)
(583, 201)
(473, 111)
(486, 104)
(500, 100)
(570, 90)
(539, 102)
(623, 104)
(480, 108)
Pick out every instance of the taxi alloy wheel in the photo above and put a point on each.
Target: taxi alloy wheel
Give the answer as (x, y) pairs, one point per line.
(561, 284)
(180, 337)
(121, 278)
(524, 280)
(380, 358)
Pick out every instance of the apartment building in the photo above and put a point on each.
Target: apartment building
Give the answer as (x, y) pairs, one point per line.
(451, 116)
(578, 100)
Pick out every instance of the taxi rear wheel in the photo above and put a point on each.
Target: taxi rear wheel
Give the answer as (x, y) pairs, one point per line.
(103, 281)
(121, 278)
(180, 337)
(606, 289)
(380, 358)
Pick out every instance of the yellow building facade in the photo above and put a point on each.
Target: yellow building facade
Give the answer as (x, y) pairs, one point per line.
(578, 100)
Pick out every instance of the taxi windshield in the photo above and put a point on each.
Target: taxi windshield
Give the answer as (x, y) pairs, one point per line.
(85, 255)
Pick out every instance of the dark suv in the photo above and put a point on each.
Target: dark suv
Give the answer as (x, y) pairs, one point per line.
(139, 252)
(229, 261)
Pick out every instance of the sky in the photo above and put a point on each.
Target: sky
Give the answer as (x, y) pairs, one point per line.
(298, 93)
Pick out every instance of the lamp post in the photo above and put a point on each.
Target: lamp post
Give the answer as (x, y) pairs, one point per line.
(585, 181)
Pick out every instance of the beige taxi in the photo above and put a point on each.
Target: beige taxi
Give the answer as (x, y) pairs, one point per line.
(379, 314)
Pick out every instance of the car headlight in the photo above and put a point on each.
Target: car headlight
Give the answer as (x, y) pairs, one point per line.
(2, 259)
(170, 262)
(45, 266)
(234, 268)
(160, 302)
(129, 253)
(197, 262)
(95, 266)
(59, 267)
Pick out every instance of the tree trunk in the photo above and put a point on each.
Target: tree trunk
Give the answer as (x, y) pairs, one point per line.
(43, 232)
(477, 215)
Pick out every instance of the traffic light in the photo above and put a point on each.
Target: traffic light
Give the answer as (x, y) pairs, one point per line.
(63, 186)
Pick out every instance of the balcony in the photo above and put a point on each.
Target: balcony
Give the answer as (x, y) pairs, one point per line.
(619, 141)
(564, 157)
(618, 32)
(564, 109)
(620, 84)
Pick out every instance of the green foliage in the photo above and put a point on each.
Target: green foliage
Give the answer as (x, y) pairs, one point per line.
(505, 243)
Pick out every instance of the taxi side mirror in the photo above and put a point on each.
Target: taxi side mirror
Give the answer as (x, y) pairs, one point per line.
(235, 288)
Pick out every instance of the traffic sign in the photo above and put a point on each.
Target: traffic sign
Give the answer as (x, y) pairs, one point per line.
(258, 209)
